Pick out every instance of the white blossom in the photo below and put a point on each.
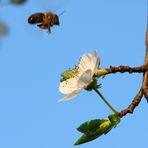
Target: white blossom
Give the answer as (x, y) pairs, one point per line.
(89, 63)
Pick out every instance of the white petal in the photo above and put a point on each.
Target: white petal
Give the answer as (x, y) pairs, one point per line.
(85, 62)
(70, 96)
(68, 86)
(96, 60)
(89, 61)
(85, 79)
(87, 67)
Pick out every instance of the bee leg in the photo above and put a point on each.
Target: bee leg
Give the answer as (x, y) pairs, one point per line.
(42, 26)
(49, 30)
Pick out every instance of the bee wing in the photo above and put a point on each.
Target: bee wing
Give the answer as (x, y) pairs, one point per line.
(56, 20)
(36, 18)
(3, 29)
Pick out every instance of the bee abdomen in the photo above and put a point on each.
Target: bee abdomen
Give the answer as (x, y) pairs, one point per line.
(36, 18)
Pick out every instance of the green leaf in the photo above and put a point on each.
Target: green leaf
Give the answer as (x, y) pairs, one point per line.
(93, 129)
(90, 125)
(105, 127)
(85, 138)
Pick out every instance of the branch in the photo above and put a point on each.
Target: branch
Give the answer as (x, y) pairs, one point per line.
(114, 69)
(133, 105)
(144, 87)
(145, 76)
(122, 69)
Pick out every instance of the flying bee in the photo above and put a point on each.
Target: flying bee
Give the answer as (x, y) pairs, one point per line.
(44, 20)
(3, 29)
(18, 1)
(15, 2)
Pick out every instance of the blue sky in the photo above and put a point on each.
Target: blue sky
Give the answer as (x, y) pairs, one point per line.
(31, 61)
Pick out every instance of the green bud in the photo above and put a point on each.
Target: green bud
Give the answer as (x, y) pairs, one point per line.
(114, 119)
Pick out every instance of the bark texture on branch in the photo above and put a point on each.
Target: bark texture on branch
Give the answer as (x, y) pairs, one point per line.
(122, 69)
(144, 87)
(132, 106)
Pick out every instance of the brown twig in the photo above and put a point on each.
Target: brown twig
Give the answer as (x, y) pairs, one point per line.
(145, 76)
(144, 87)
(122, 69)
(132, 106)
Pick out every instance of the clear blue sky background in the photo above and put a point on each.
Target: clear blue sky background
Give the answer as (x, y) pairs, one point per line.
(31, 61)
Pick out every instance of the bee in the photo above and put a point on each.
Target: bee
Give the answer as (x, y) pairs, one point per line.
(15, 2)
(3, 29)
(44, 20)
(18, 1)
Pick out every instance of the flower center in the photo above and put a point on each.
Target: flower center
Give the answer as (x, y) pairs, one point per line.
(71, 73)
(85, 79)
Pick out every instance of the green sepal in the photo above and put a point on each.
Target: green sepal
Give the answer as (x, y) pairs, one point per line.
(93, 84)
(98, 86)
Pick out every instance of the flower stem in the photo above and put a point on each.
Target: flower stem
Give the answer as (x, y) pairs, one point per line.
(106, 102)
